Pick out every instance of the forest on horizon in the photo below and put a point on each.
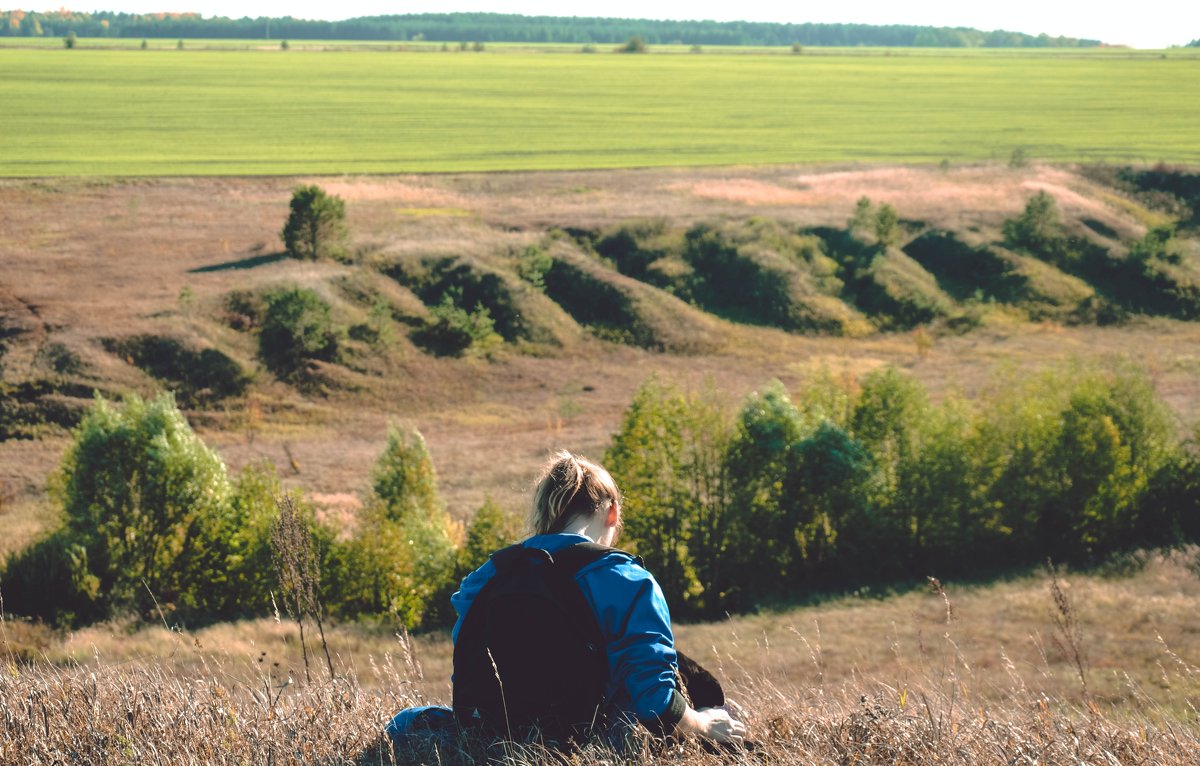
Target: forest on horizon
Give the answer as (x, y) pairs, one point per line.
(515, 28)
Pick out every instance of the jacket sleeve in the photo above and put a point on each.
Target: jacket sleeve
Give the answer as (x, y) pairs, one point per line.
(466, 593)
(636, 625)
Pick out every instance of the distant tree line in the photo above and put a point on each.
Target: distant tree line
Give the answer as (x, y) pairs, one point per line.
(497, 27)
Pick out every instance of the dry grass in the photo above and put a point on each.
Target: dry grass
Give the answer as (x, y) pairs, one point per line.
(964, 675)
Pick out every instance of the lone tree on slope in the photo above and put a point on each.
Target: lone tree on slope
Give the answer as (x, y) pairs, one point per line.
(316, 226)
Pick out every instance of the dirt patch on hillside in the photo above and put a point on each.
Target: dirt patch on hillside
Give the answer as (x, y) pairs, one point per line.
(402, 192)
(948, 198)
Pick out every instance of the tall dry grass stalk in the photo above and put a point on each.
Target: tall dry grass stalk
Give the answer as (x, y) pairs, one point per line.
(299, 574)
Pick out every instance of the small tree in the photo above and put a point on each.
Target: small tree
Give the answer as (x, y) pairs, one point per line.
(403, 556)
(69, 41)
(1038, 227)
(862, 221)
(887, 230)
(147, 509)
(634, 45)
(316, 226)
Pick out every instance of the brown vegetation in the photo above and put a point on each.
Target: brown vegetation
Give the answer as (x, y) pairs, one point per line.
(953, 675)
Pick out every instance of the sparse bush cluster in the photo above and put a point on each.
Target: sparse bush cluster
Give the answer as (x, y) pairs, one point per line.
(879, 272)
(784, 278)
(865, 482)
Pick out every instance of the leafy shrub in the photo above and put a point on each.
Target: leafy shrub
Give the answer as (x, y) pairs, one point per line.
(490, 530)
(149, 513)
(533, 265)
(316, 224)
(403, 555)
(886, 225)
(243, 310)
(1039, 230)
(667, 460)
(516, 307)
(453, 330)
(296, 328)
(635, 44)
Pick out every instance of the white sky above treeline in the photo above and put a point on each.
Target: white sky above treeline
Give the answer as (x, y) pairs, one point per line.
(1144, 24)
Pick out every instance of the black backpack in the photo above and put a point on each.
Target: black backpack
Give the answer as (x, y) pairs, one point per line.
(530, 661)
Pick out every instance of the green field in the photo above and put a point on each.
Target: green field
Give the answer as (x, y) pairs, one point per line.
(114, 112)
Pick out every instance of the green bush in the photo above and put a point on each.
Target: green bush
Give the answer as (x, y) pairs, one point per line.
(148, 514)
(533, 265)
(296, 328)
(886, 225)
(1039, 230)
(316, 224)
(453, 330)
(402, 556)
(490, 530)
(635, 44)
(667, 460)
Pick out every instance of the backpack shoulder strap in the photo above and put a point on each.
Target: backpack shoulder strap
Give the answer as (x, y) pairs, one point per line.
(578, 556)
(506, 557)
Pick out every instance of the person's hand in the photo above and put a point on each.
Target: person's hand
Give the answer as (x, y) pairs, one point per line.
(719, 726)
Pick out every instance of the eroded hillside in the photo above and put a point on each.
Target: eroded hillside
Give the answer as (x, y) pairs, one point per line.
(500, 312)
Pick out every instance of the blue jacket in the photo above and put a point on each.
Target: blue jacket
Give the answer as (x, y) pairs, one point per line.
(634, 621)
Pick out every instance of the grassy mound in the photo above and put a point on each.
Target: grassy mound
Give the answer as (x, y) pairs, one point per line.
(620, 308)
(199, 377)
(782, 279)
(518, 311)
(968, 272)
(899, 293)
(29, 407)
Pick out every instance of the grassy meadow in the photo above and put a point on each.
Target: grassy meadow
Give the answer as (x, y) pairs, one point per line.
(111, 112)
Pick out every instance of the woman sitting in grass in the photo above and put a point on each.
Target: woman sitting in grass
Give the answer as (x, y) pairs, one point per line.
(562, 638)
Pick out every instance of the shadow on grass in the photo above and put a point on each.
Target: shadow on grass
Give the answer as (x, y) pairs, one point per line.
(243, 263)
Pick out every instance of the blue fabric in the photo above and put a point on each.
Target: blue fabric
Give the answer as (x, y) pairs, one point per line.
(415, 725)
(633, 618)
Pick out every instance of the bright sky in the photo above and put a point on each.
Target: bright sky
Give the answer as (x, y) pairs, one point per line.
(1143, 24)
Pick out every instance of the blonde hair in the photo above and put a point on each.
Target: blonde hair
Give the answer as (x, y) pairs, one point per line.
(570, 486)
